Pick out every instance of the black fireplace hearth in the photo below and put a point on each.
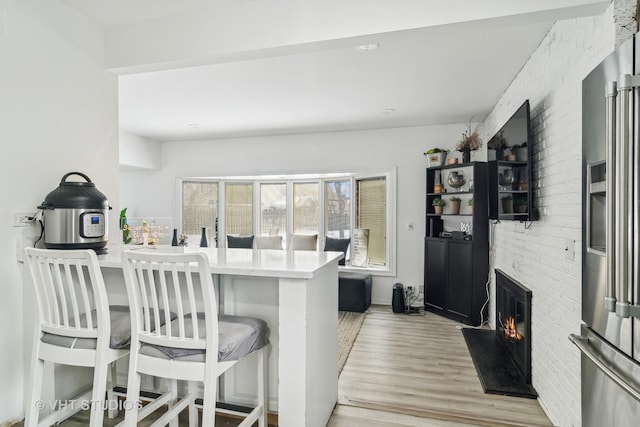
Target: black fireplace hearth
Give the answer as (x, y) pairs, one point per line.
(502, 357)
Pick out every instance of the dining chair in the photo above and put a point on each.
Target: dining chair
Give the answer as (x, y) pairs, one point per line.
(199, 345)
(75, 326)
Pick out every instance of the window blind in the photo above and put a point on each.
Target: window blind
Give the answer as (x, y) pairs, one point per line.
(239, 209)
(371, 214)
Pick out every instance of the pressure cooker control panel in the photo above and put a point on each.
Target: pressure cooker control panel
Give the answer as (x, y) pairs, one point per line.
(92, 224)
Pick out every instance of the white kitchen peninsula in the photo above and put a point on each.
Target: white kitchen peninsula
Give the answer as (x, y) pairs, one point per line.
(296, 292)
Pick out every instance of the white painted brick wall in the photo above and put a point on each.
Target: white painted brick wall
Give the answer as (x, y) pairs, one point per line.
(552, 81)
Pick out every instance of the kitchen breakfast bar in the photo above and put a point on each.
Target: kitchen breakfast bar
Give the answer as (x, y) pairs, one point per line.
(296, 293)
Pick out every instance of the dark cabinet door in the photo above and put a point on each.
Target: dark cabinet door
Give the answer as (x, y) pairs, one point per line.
(460, 267)
(436, 273)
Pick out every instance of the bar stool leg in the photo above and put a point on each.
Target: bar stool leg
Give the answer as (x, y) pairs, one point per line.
(193, 411)
(112, 402)
(32, 412)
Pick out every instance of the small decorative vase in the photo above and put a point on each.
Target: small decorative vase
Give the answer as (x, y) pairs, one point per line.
(203, 238)
(438, 210)
(466, 156)
(174, 239)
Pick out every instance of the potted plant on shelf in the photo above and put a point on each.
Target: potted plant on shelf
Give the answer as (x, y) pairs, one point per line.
(496, 146)
(521, 152)
(436, 157)
(470, 204)
(454, 202)
(520, 203)
(469, 142)
(438, 204)
(507, 204)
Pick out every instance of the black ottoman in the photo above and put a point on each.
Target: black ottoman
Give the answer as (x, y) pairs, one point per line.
(354, 291)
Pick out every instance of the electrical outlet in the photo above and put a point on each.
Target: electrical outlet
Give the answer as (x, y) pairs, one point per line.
(22, 219)
(569, 248)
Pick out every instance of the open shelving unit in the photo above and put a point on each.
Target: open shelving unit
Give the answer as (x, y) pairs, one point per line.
(456, 269)
(518, 187)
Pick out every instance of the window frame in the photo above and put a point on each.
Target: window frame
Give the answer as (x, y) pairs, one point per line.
(390, 175)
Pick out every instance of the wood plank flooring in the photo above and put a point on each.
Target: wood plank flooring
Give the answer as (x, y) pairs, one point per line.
(416, 371)
(412, 371)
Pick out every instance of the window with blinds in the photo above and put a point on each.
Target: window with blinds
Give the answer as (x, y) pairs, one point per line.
(273, 209)
(331, 205)
(199, 207)
(371, 214)
(337, 208)
(306, 204)
(239, 208)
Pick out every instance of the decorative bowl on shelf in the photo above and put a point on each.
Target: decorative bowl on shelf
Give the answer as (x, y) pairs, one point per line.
(506, 179)
(456, 180)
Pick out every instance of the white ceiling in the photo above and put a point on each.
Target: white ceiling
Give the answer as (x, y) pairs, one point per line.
(436, 74)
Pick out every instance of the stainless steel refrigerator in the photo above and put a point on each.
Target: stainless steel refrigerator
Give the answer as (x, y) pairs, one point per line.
(610, 335)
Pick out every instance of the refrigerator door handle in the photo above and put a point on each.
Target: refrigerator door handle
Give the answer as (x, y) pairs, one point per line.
(583, 344)
(624, 193)
(611, 219)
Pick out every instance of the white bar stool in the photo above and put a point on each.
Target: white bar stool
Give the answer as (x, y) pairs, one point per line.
(75, 327)
(197, 345)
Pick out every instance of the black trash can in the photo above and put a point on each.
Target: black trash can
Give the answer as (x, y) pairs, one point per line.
(397, 303)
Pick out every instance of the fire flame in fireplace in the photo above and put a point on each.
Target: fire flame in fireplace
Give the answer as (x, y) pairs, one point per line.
(510, 329)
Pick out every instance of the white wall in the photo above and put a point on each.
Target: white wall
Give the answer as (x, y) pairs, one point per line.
(552, 81)
(138, 152)
(58, 113)
(319, 152)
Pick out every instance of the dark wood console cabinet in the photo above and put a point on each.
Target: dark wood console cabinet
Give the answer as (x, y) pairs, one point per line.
(456, 270)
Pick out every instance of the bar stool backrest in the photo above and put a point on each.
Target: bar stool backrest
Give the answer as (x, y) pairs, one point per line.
(68, 289)
(163, 284)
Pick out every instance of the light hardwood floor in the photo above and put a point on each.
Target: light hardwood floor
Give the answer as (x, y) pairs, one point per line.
(413, 371)
(416, 371)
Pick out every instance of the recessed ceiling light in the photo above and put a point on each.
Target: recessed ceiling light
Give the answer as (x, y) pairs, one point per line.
(193, 125)
(388, 111)
(368, 47)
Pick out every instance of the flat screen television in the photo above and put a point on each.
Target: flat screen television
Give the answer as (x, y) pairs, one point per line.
(510, 172)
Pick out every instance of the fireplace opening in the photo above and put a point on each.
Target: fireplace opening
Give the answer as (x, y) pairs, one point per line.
(503, 356)
(513, 321)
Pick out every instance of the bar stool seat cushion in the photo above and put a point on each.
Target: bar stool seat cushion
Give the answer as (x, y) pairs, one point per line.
(120, 330)
(238, 336)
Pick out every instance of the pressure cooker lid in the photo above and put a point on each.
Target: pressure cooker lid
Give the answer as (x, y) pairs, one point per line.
(75, 195)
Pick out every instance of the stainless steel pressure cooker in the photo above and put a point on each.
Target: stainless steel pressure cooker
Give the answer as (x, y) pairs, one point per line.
(76, 216)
